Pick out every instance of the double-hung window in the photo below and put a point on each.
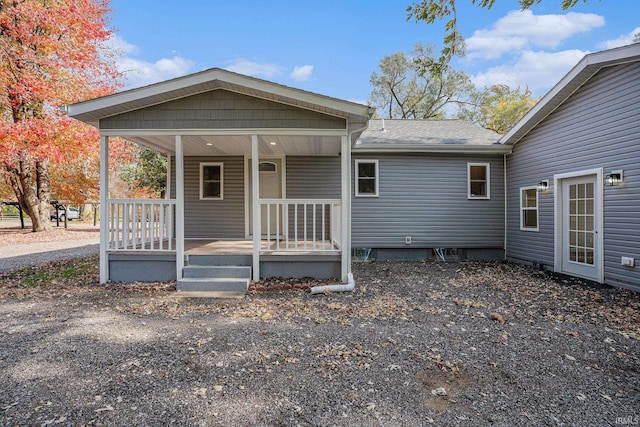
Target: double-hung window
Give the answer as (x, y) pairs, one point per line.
(211, 181)
(478, 182)
(529, 209)
(366, 178)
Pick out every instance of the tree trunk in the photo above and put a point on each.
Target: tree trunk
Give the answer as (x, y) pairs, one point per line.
(33, 193)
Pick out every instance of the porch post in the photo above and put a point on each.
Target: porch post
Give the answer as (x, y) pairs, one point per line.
(167, 190)
(104, 208)
(345, 158)
(179, 207)
(255, 205)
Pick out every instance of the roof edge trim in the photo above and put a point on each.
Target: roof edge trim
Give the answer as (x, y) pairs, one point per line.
(409, 148)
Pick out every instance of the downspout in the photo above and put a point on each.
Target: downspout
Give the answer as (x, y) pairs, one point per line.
(350, 285)
(504, 171)
(335, 288)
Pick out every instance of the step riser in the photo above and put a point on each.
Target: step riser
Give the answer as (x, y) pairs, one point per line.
(220, 260)
(213, 285)
(220, 272)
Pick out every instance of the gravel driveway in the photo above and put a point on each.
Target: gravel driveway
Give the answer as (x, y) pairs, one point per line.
(22, 248)
(415, 344)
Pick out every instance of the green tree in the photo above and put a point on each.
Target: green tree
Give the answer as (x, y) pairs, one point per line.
(430, 11)
(416, 87)
(148, 171)
(498, 107)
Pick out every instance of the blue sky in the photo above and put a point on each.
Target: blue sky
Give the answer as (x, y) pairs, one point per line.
(332, 47)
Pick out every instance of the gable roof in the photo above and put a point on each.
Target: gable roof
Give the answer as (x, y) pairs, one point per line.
(405, 135)
(92, 111)
(580, 74)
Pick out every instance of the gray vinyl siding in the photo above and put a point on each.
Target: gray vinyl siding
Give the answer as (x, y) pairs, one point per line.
(424, 196)
(313, 178)
(213, 219)
(597, 127)
(221, 109)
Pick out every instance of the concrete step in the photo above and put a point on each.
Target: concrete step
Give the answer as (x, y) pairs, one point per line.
(212, 285)
(220, 260)
(211, 294)
(216, 272)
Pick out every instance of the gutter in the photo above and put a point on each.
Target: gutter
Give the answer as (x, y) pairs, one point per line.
(412, 148)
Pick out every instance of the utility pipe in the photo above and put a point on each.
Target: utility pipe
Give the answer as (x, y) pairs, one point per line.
(336, 288)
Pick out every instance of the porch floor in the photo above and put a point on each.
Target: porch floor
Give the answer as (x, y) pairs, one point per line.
(245, 247)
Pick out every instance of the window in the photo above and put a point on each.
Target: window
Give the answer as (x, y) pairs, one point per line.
(211, 181)
(478, 180)
(529, 209)
(366, 178)
(267, 167)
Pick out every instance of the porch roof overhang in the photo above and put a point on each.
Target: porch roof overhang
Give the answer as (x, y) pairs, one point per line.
(236, 142)
(356, 116)
(580, 74)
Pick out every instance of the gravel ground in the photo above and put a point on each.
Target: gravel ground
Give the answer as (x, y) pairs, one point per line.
(417, 343)
(23, 248)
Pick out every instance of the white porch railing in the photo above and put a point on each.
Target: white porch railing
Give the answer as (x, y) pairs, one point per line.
(141, 224)
(303, 225)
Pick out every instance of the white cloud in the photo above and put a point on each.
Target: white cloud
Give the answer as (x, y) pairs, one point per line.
(520, 30)
(302, 73)
(137, 72)
(539, 71)
(121, 46)
(252, 68)
(622, 40)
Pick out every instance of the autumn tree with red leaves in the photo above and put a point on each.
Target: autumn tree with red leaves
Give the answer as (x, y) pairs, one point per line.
(52, 53)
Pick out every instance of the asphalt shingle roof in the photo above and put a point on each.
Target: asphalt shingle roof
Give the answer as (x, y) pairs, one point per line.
(426, 132)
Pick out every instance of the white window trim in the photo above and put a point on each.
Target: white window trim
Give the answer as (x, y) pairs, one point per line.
(537, 209)
(357, 177)
(202, 165)
(488, 168)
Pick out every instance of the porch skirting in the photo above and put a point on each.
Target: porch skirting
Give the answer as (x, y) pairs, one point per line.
(161, 267)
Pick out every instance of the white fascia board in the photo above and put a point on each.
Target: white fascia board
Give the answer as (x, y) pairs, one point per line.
(224, 132)
(459, 149)
(589, 65)
(181, 83)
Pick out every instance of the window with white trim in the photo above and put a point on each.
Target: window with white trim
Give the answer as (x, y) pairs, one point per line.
(366, 178)
(529, 208)
(478, 182)
(211, 181)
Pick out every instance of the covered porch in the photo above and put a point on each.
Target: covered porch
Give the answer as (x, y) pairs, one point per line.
(222, 141)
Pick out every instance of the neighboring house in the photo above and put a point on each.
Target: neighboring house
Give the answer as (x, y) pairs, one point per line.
(583, 133)
(331, 181)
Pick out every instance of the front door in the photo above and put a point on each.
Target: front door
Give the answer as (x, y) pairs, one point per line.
(270, 188)
(580, 249)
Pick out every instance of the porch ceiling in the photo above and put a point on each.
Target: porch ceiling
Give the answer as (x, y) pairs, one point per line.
(235, 145)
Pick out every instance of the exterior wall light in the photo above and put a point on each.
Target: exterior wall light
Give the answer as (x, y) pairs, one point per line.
(613, 179)
(543, 185)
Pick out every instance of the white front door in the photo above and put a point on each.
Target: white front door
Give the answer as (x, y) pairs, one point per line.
(580, 235)
(270, 188)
